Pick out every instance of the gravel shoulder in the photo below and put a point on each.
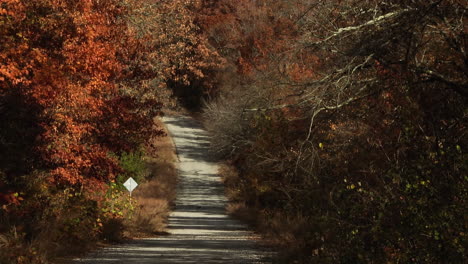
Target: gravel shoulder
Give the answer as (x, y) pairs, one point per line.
(199, 229)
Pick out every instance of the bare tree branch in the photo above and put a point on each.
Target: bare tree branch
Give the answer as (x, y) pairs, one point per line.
(374, 22)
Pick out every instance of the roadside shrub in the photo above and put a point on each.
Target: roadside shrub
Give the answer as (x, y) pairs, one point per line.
(373, 191)
(48, 222)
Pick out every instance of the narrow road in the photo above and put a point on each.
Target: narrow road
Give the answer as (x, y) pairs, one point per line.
(200, 231)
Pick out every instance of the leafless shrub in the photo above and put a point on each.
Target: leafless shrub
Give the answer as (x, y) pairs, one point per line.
(226, 120)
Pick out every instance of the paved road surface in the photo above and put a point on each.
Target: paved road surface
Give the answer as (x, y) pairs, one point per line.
(200, 231)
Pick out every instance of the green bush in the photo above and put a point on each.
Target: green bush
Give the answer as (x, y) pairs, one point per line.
(132, 165)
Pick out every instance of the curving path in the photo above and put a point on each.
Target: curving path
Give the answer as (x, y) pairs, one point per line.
(200, 231)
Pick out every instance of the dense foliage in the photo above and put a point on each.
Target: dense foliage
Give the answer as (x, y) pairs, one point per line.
(80, 84)
(349, 117)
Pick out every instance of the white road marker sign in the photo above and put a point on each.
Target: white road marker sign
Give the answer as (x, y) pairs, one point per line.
(130, 184)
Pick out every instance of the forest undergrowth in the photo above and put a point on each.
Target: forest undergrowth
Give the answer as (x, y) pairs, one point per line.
(343, 124)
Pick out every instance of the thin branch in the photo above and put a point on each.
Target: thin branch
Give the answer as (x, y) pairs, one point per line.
(460, 88)
(373, 22)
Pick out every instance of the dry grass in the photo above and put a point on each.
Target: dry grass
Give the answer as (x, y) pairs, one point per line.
(236, 205)
(155, 197)
(279, 230)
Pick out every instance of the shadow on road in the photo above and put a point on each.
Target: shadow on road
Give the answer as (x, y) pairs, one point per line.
(199, 229)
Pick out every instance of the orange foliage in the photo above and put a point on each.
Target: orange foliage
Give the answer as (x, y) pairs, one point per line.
(67, 59)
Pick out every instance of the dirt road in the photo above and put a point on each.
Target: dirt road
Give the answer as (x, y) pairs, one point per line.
(200, 231)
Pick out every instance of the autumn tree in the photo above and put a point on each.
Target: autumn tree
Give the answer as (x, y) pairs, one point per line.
(176, 48)
(71, 104)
